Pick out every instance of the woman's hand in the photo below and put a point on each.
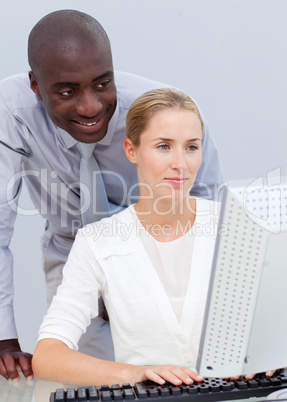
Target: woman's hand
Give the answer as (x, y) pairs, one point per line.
(251, 376)
(268, 374)
(174, 374)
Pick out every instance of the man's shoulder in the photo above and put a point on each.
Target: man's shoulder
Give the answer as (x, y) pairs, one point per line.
(131, 86)
(14, 80)
(16, 92)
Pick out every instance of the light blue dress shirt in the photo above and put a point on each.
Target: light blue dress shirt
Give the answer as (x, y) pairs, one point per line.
(31, 146)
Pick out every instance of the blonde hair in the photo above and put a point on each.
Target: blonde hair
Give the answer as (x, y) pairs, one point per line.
(147, 105)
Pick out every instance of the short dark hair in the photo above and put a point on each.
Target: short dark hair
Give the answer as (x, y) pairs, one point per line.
(64, 30)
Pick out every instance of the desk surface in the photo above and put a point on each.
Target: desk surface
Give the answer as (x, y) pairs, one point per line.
(39, 391)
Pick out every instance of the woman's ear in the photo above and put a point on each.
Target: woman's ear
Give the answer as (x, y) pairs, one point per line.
(130, 150)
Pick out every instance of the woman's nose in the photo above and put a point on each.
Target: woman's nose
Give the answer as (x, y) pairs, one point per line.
(178, 161)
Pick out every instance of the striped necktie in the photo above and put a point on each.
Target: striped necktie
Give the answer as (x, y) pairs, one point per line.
(93, 196)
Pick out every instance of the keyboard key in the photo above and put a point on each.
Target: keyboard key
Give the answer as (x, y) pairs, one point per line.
(82, 394)
(175, 391)
(71, 395)
(153, 393)
(226, 386)
(203, 389)
(193, 389)
(129, 394)
(60, 395)
(106, 395)
(184, 389)
(141, 390)
(265, 382)
(93, 394)
(275, 381)
(126, 386)
(242, 384)
(105, 388)
(253, 384)
(118, 395)
(215, 388)
(142, 394)
(164, 391)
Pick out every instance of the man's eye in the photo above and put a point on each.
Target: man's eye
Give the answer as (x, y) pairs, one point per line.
(68, 92)
(103, 84)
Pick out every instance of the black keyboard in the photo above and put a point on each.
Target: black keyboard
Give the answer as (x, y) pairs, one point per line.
(211, 389)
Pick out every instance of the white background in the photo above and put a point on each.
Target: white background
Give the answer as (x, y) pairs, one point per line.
(230, 55)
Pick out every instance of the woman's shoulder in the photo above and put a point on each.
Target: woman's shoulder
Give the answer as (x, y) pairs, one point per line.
(207, 208)
(209, 204)
(110, 235)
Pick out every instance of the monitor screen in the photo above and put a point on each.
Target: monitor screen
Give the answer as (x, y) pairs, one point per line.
(245, 324)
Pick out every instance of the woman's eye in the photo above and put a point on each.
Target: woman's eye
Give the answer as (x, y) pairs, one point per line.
(163, 146)
(192, 147)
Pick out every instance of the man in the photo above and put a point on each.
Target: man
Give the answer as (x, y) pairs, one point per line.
(75, 98)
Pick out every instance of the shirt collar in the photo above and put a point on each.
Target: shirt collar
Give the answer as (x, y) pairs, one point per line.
(69, 141)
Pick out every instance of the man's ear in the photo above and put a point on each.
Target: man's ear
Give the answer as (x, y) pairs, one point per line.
(130, 150)
(34, 84)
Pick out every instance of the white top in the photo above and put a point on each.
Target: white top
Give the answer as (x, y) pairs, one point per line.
(170, 258)
(108, 259)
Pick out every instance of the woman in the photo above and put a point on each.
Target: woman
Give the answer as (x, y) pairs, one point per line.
(150, 263)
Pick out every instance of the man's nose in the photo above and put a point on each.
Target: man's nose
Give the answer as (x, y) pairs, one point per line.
(88, 104)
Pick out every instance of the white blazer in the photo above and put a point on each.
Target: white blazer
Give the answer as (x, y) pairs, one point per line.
(108, 259)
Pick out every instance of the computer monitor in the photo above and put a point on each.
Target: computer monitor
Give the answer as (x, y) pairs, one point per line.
(245, 324)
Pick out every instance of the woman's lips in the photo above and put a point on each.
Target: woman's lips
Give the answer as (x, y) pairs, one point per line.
(176, 180)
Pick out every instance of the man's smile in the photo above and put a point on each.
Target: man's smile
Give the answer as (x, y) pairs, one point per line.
(90, 126)
(86, 124)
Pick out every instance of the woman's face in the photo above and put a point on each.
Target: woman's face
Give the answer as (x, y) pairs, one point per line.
(169, 154)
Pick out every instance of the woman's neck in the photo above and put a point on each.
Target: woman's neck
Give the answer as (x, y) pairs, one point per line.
(166, 222)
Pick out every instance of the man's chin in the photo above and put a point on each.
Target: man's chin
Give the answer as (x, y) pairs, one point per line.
(88, 137)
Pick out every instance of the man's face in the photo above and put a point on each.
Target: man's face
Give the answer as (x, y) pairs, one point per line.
(78, 91)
